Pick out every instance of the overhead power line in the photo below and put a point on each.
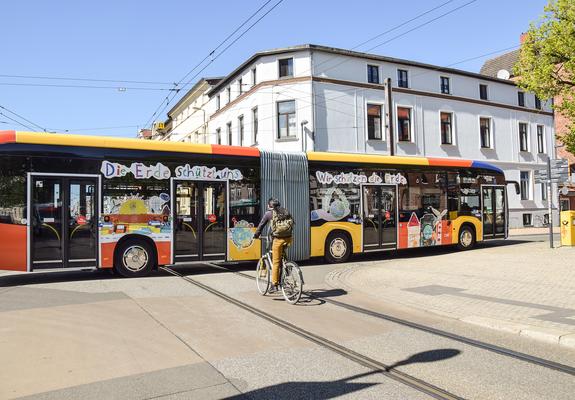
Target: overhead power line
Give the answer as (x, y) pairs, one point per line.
(119, 88)
(168, 99)
(22, 118)
(61, 78)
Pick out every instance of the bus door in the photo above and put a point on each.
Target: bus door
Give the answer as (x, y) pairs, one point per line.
(63, 219)
(494, 212)
(379, 219)
(200, 220)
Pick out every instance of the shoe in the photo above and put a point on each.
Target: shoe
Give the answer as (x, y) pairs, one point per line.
(273, 288)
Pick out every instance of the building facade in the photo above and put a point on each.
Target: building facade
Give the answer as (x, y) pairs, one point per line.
(319, 98)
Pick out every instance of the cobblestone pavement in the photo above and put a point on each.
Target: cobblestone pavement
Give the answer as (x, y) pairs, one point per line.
(524, 288)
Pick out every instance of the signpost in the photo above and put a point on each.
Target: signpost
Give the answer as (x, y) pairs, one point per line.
(557, 171)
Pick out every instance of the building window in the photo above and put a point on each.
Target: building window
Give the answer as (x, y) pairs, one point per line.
(524, 184)
(229, 93)
(404, 124)
(523, 137)
(540, 139)
(521, 99)
(444, 83)
(285, 67)
(241, 129)
(446, 119)
(229, 132)
(402, 78)
(254, 76)
(483, 92)
(543, 191)
(218, 102)
(485, 132)
(527, 220)
(241, 85)
(373, 74)
(286, 119)
(537, 103)
(374, 122)
(255, 124)
(219, 136)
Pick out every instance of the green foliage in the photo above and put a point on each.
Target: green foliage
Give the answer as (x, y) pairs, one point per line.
(547, 61)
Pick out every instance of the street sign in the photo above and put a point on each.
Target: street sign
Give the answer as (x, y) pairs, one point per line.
(559, 164)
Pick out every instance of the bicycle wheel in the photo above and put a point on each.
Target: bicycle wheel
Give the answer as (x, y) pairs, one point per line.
(263, 273)
(292, 282)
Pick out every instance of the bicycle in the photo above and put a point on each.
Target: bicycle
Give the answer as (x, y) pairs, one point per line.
(291, 277)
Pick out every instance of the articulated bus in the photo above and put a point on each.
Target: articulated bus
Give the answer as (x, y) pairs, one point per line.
(75, 202)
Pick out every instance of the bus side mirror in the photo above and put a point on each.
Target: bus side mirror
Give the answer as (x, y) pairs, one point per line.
(516, 184)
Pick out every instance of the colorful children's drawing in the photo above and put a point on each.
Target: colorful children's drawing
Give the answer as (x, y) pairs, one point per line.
(413, 231)
(242, 234)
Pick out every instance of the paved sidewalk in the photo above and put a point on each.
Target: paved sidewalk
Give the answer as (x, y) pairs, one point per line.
(526, 288)
(532, 231)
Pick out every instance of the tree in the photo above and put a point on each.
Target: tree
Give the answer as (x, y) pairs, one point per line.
(546, 63)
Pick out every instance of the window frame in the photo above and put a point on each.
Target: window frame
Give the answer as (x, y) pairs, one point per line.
(240, 86)
(411, 124)
(543, 191)
(241, 130)
(229, 93)
(521, 98)
(218, 135)
(441, 85)
(254, 75)
(279, 67)
(377, 68)
(381, 122)
(278, 133)
(540, 143)
(406, 78)
(491, 144)
(528, 141)
(229, 133)
(452, 127)
(528, 188)
(530, 223)
(255, 125)
(486, 86)
(218, 102)
(538, 104)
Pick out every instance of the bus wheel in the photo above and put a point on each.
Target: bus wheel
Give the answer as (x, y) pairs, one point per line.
(134, 258)
(337, 248)
(466, 238)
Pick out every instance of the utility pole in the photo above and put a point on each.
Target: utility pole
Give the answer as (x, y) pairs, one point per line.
(549, 202)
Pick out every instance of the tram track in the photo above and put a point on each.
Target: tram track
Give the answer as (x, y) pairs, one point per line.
(365, 361)
(566, 369)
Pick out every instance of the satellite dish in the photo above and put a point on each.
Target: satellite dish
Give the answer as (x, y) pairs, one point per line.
(503, 74)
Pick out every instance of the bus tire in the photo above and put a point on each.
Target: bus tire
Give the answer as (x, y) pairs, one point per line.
(337, 247)
(466, 238)
(134, 258)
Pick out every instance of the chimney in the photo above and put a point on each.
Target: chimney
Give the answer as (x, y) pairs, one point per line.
(523, 37)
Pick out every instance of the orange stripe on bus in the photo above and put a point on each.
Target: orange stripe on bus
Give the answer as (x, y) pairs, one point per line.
(444, 162)
(7, 137)
(235, 150)
(13, 246)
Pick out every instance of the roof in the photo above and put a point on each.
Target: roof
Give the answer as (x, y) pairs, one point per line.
(350, 53)
(52, 139)
(505, 61)
(210, 81)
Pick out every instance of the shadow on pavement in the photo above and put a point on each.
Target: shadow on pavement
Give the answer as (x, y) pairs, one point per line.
(333, 389)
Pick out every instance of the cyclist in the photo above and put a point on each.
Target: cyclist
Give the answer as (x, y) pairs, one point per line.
(281, 223)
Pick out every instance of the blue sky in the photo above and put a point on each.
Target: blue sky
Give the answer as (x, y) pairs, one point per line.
(161, 41)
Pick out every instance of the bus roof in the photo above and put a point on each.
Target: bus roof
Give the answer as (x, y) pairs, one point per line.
(55, 139)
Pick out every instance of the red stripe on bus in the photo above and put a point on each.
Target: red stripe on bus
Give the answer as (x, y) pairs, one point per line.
(7, 137)
(443, 162)
(235, 150)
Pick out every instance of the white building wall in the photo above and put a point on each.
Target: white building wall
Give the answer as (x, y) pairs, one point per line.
(336, 115)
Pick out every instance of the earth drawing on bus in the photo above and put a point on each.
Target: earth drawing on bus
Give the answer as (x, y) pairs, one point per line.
(242, 234)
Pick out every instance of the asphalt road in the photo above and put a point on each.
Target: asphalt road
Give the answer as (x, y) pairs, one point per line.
(92, 335)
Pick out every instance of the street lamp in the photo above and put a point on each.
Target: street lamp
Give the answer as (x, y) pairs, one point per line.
(204, 124)
(303, 135)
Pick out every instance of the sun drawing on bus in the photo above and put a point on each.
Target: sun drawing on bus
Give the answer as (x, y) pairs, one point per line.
(133, 206)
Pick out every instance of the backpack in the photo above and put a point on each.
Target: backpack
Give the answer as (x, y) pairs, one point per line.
(282, 223)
